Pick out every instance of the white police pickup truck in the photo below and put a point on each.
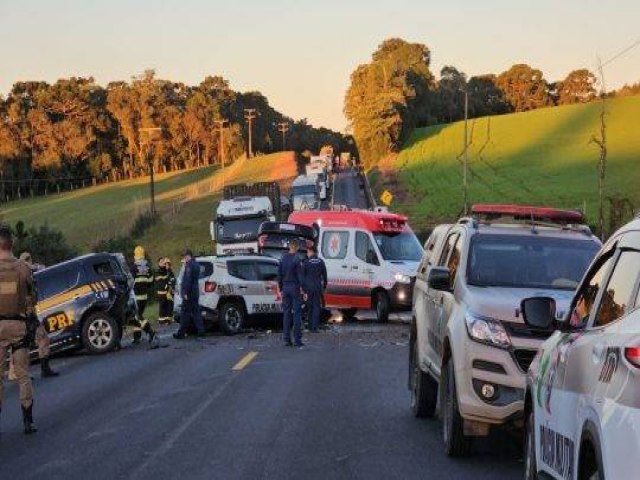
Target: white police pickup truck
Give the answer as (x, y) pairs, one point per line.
(582, 397)
(233, 288)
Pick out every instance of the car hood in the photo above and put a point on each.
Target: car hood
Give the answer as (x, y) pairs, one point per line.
(504, 303)
(405, 267)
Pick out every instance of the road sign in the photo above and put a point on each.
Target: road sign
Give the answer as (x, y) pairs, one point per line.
(386, 197)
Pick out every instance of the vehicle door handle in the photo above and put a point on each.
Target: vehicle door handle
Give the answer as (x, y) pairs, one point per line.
(354, 267)
(242, 287)
(345, 266)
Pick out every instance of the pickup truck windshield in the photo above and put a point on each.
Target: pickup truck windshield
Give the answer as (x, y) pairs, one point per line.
(402, 246)
(239, 230)
(528, 261)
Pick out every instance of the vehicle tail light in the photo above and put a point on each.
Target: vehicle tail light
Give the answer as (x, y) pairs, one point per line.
(633, 355)
(210, 287)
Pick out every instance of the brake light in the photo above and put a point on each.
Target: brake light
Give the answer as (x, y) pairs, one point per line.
(633, 355)
(210, 287)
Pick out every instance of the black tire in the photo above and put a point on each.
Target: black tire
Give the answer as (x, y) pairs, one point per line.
(100, 333)
(382, 306)
(424, 389)
(232, 318)
(348, 314)
(530, 464)
(590, 462)
(456, 444)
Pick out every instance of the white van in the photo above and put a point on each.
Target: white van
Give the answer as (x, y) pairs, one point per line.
(371, 259)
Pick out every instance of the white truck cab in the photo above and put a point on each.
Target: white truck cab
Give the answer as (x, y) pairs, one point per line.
(371, 259)
(235, 228)
(305, 193)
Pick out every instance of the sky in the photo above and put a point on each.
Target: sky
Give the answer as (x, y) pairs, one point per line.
(300, 53)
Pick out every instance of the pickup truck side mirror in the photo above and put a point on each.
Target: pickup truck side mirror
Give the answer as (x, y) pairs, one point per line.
(439, 278)
(539, 312)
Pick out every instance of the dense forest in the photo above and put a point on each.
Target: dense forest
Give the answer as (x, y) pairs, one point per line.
(396, 92)
(75, 132)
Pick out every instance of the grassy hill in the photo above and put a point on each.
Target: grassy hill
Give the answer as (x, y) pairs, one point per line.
(185, 202)
(541, 157)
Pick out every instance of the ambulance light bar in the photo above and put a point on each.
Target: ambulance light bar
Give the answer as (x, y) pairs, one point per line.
(526, 212)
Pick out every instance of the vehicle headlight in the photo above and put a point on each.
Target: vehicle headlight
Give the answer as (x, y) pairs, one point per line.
(402, 278)
(486, 330)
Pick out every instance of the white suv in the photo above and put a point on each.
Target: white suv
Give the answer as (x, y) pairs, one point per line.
(235, 287)
(582, 400)
(469, 347)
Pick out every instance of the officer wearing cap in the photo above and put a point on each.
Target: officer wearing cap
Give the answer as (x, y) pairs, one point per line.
(41, 337)
(315, 283)
(190, 293)
(17, 315)
(290, 283)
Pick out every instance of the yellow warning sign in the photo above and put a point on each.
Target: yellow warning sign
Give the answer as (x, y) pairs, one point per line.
(386, 197)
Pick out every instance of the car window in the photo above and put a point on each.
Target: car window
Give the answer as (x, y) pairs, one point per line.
(56, 282)
(365, 250)
(206, 269)
(104, 268)
(451, 241)
(334, 244)
(616, 298)
(586, 296)
(243, 270)
(267, 271)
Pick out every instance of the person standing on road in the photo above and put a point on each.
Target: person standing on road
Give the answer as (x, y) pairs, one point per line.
(165, 283)
(190, 293)
(41, 337)
(315, 283)
(17, 322)
(290, 283)
(142, 284)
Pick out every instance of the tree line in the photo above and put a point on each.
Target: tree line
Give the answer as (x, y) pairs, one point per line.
(75, 132)
(396, 92)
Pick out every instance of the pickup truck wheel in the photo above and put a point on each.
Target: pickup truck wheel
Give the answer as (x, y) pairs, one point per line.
(424, 390)
(530, 466)
(232, 318)
(100, 333)
(383, 306)
(456, 444)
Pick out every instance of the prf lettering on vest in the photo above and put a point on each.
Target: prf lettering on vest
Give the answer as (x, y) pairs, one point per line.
(58, 322)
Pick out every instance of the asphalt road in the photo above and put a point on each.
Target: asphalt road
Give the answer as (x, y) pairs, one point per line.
(337, 408)
(347, 190)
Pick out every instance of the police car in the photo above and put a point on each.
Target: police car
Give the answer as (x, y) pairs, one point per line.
(85, 302)
(582, 399)
(233, 288)
(371, 259)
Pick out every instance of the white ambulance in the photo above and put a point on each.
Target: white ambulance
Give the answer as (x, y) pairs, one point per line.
(371, 258)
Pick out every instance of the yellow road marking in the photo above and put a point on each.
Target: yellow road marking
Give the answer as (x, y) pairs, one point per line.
(244, 361)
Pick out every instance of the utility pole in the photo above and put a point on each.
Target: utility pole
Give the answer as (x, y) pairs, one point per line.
(249, 115)
(465, 164)
(283, 127)
(221, 125)
(152, 188)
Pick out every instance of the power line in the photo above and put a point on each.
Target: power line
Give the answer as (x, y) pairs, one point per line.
(621, 53)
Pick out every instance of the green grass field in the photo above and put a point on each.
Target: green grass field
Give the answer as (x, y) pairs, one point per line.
(92, 214)
(542, 157)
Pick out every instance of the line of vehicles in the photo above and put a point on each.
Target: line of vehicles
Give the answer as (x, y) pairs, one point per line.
(521, 317)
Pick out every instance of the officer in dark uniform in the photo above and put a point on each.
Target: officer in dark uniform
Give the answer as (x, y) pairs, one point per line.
(18, 322)
(290, 283)
(190, 293)
(315, 283)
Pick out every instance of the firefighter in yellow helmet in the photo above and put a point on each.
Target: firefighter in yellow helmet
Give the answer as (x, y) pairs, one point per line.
(142, 285)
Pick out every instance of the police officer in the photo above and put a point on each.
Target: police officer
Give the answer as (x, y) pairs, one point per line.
(142, 284)
(315, 283)
(190, 293)
(17, 322)
(41, 337)
(290, 282)
(165, 283)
